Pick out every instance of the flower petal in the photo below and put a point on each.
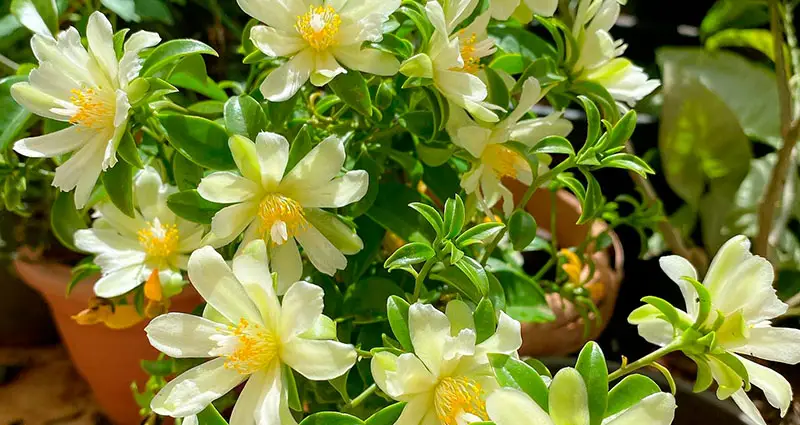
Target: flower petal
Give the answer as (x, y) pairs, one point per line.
(508, 406)
(216, 283)
(655, 409)
(419, 411)
(342, 236)
(777, 389)
(318, 360)
(182, 335)
(273, 405)
(367, 60)
(506, 340)
(287, 263)
(325, 69)
(318, 167)
(430, 331)
(249, 401)
(503, 9)
(101, 44)
(747, 406)
(531, 94)
(195, 389)
(569, 401)
(276, 43)
(251, 268)
(273, 155)
(131, 63)
(281, 14)
(82, 170)
(284, 82)
(774, 344)
(53, 144)
(99, 241)
(231, 221)
(225, 187)
(121, 281)
(301, 307)
(337, 193)
(321, 252)
(38, 102)
(148, 194)
(677, 268)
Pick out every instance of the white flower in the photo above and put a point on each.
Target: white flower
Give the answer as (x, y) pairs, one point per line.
(281, 209)
(599, 55)
(742, 295)
(568, 404)
(504, 9)
(251, 336)
(86, 89)
(129, 249)
(318, 36)
(453, 58)
(496, 161)
(447, 378)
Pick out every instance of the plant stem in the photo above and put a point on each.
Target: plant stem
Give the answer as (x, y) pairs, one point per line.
(418, 282)
(9, 63)
(363, 396)
(789, 129)
(644, 361)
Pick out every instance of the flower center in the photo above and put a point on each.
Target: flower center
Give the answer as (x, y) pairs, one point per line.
(319, 26)
(159, 241)
(281, 218)
(472, 63)
(457, 396)
(95, 110)
(254, 348)
(503, 161)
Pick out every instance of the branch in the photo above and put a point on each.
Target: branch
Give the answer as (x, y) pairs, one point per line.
(789, 129)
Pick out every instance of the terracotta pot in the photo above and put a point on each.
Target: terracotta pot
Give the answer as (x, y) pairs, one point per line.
(108, 359)
(565, 335)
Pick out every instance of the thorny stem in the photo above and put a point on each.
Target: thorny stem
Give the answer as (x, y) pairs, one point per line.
(644, 361)
(789, 129)
(421, 278)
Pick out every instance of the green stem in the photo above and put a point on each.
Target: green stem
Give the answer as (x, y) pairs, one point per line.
(363, 396)
(644, 361)
(418, 283)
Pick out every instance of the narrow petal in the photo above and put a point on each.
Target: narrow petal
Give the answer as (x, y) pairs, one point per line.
(733, 253)
(368, 60)
(273, 405)
(131, 63)
(225, 187)
(217, 284)
(318, 167)
(99, 241)
(430, 331)
(416, 410)
(506, 340)
(231, 221)
(777, 389)
(101, 44)
(531, 94)
(337, 193)
(82, 170)
(251, 268)
(357, 10)
(281, 14)
(182, 335)
(248, 403)
(747, 407)
(302, 305)
(677, 268)
(148, 187)
(318, 360)
(38, 102)
(544, 8)
(473, 138)
(655, 409)
(286, 261)
(273, 155)
(121, 281)
(503, 9)
(774, 344)
(284, 82)
(508, 406)
(116, 219)
(195, 389)
(276, 43)
(321, 252)
(325, 69)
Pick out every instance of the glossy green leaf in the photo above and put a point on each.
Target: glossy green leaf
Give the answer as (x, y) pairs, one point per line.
(457, 279)
(521, 229)
(431, 215)
(331, 418)
(594, 200)
(593, 120)
(65, 220)
(118, 181)
(735, 14)
(454, 216)
(352, 89)
(479, 234)
(210, 416)
(592, 367)
(171, 51)
(420, 123)
(187, 174)
(669, 311)
(387, 415)
(476, 274)
(397, 311)
(391, 211)
(191, 206)
(628, 162)
(128, 151)
(408, 255)
(630, 391)
(540, 367)
(291, 388)
(202, 141)
(485, 320)
(125, 9)
(498, 92)
(525, 299)
(39, 16)
(244, 116)
(553, 145)
(622, 131)
(514, 373)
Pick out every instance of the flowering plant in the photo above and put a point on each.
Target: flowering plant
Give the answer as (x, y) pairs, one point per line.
(351, 202)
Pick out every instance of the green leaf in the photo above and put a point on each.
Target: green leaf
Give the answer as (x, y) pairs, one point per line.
(128, 151)
(592, 367)
(753, 105)
(244, 116)
(408, 255)
(39, 16)
(187, 173)
(420, 123)
(367, 298)
(515, 39)
(512, 64)
(291, 388)
(594, 200)
(485, 320)
(704, 377)
(431, 215)
(498, 92)
(367, 163)
(553, 145)
(280, 113)
(513, 373)
(387, 415)
(593, 121)
(457, 279)
(525, 299)
(627, 162)
(331, 418)
(85, 269)
(126, 9)
(476, 274)
(14, 119)
(521, 229)
(210, 416)
(352, 89)
(540, 367)
(454, 216)
(734, 13)
(622, 131)
(757, 39)
(301, 146)
(737, 366)
(118, 181)
(193, 207)
(65, 220)
(202, 141)
(397, 312)
(162, 367)
(628, 392)
(171, 51)
(190, 74)
(479, 234)
(391, 211)
(154, 10)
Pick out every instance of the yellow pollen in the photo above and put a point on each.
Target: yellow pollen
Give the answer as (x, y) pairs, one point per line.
(256, 348)
(275, 208)
(319, 26)
(94, 110)
(472, 63)
(503, 161)
(159, 241)
(458, 395)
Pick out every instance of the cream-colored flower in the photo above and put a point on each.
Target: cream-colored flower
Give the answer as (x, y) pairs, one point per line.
(250, 335)
(504, 9)
(88, 89)
(496, 161)
(129, 249)
(447, 378)
(743, 298)
(568, 404)
(453, 57)
(599, 58)
(319, 37)
(282, 208)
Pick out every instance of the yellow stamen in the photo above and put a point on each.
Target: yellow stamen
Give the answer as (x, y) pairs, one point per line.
(319, 26)
(256, 348)
(573, 267)
(503, 161)
(278, 209)
(472, 62)
(159, 241)
(455, 396)
(94, 109)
